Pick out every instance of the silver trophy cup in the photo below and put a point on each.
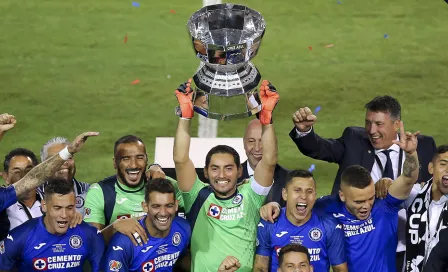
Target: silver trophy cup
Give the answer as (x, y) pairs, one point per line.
(225, 38)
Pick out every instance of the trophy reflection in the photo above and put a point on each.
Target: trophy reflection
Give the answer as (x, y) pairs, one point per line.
(225, 37)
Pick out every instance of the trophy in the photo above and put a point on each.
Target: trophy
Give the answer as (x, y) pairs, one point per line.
(225, 38)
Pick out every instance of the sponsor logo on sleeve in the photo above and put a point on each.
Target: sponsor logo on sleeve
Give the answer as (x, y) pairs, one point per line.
(114, 266)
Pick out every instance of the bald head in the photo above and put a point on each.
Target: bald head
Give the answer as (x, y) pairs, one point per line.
(252, 142)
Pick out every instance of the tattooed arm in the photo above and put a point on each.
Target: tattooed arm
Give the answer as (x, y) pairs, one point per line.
(402, 186)
(46, 169)
(261, 263)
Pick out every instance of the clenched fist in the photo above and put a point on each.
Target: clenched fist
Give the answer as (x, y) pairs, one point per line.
(304, 119)
(7, 122)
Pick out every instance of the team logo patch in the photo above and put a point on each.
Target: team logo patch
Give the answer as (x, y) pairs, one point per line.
(75, 241)
(214, 211)
(277, 250)
(237, 199)
(114, 266)
(315, 234)
(40, 263)
(2, 247)
(148, 266)
(79, 202)
(176, 239)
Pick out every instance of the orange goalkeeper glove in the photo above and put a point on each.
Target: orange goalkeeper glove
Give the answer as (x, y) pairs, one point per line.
(184, 95)
(269, 98)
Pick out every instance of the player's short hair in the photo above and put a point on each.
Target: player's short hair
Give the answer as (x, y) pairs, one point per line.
(222, 149)
(441, 149)
(298, 173)
(127, 140)
(58, 186)
(292, 248)
(49, 143)
(19, 152)
(159, 185)
(356, 176)
(386, 104)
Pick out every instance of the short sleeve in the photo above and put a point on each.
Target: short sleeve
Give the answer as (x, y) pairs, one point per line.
(264, 239)
(7, 197)
(94, 206)
(97, 247)
(119, 254)
(335, 242)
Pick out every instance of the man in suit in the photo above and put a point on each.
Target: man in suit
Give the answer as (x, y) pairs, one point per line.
(370, 147)
(254, 150)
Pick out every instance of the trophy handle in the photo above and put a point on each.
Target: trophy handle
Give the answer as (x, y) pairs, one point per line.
(200, 111)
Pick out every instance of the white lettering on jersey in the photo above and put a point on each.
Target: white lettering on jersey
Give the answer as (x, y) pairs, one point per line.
(116, 248)
(281, 234)
(40, 246)
(353, 230)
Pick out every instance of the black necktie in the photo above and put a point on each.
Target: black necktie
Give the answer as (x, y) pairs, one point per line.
(388, 170)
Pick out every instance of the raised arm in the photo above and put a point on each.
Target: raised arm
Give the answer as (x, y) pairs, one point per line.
(185, 170)
(7, 122)
(43, 171)
(264, 172)
(402, 186)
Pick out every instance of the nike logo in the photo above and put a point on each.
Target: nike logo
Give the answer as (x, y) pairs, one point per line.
(9, 237)
(117, 248)
(260, 225)
(281, 234)
(146, 249)
(40, 245)
(123, 199)
(338, 215)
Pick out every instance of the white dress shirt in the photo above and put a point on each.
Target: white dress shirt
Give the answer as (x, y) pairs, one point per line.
(17, 215)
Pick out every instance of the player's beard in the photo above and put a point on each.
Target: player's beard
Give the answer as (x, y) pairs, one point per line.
(122, 177)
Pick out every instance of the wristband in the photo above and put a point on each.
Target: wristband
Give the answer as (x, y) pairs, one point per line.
(183, 118)
(65, 154)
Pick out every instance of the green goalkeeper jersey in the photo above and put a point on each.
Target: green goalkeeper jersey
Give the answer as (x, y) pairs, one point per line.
(223, 227)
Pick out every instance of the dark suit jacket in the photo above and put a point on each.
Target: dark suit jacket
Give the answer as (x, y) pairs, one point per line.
(354, 148)
(275, 194)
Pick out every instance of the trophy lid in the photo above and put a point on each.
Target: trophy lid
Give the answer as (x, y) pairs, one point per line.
(226, 34)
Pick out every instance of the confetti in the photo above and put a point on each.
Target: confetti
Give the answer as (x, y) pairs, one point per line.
(137, 81)
(126, 38)
(317, 109)
(135, 4)
(312, 168)
(172, 11)
(386, 36)
(310, 48)
(329, 45)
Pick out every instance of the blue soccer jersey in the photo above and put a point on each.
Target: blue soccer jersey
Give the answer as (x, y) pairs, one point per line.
(31, 247)
(371, 244)
(7, 197)
(159, 254)
(321, 235)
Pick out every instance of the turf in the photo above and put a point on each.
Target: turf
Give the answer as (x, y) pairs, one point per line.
(65, 69)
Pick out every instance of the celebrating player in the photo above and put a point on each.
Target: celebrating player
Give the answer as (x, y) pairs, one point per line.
(168, 234)
(47, 243)
(224, 217)
(321, 234)
(370, 225)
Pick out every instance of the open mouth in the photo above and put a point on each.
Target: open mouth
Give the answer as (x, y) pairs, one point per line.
(62, 224)
(445, 180)
(301, 207)
(375, 137)
(363, 214)
(222, 182)
(162, 220)
(133, 174)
